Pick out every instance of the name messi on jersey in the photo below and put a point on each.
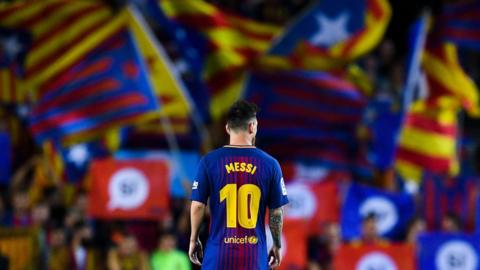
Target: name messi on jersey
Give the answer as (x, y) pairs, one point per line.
(240, 167)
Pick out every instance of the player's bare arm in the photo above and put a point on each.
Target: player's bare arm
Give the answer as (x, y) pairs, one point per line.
(276, 224)
(195, 251)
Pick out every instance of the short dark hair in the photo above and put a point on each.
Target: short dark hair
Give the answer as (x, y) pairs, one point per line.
(240, 114)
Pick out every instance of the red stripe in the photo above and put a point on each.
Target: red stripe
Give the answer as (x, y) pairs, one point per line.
(277, 123)
(81, 93)
(309, 113)
(47, 13)
(73, 75)
(431, 163)
(430, 125)
(462, 33)
(92, 110)
(66, 47)
(12, 9)
(374, 8)
(467, 15)
(430, 203)
(224, 78)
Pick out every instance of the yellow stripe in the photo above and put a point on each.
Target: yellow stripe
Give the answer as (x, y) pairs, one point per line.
(49, 48)
(173, 8)
(163, 81)
(28, 10)
(81, 48)
(255, 27)
(223, 100)
(226, 37)
(4, 78)
(222, 60)
(427, 143)
(451, 76)
(408, 171)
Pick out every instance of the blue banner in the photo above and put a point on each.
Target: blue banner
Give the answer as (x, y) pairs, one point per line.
(393, 212)
(448, 251)
(5, 157)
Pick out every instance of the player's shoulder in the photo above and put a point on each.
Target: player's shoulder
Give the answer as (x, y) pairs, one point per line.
(267, 156)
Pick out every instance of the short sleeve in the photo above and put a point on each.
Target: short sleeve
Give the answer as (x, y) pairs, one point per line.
(200, 186)
(278, 191)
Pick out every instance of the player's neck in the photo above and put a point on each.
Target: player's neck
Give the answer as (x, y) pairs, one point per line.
(240, 140)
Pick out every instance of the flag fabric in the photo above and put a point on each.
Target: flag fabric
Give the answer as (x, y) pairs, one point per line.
(332, 33)
(443, 195)
(106, 89)
(428, 140)
(314, 113)
(61, 32)
(448, 251)
(392, 210)
(294, 244)
(170, 93)
(318, 203)
(129, 189)
(181, 177)
(232, 44)
(459, 23)
(387, 115)
(13, 49)
(5, 157)
(366, 257)
(77, 158)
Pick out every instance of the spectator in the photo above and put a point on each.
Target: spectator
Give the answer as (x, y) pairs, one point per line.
(416, 226)
(127, 256)
(83, 254)
(369, 230)
(20, 209)
(451, 223)
(167, 256)
(58, 258)
(322, 247)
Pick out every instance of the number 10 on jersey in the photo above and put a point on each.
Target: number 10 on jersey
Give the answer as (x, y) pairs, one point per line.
(238, 202)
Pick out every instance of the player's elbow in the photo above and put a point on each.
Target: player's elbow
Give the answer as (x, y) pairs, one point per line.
(197, 207)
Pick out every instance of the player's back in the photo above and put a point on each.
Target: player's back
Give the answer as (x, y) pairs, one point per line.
(241, 182)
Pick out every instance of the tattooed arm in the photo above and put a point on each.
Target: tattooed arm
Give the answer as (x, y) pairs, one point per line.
(275, 223)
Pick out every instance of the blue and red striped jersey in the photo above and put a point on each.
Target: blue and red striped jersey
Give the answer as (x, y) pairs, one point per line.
(240, 183)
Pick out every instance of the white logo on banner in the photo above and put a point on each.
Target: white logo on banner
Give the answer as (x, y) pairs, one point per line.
(302, 201)
(384, 211)
(128, 189)
(270, 241)
(456, 255)
(376, 261)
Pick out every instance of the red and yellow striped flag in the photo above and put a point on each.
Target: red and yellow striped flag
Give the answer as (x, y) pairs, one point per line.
(12, 89)
(428, 140)
(62, 32)
(233, 43)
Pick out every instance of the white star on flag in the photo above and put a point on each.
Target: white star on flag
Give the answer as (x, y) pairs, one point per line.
(78, 155)
(331, 30)
(11, 47)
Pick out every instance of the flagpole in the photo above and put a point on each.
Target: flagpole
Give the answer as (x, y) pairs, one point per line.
(165, 120)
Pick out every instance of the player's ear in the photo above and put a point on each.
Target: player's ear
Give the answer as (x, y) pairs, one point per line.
(227, 129)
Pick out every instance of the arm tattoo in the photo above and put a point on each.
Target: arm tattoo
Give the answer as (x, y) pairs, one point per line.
(276, 223)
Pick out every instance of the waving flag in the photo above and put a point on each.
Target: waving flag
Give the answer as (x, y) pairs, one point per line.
(332, 33)
(314, 113)
(61, 33)
(428, 141)
(392, 210)
(106, 89)
(448, 251)
(13, 49)
(460, 23)
(232, 43)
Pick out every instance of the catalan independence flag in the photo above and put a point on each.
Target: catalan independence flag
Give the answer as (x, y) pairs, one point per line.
(332, 33)
(13, 48)
(233, 43)
(61, 31)
(106, 89)
(460, 23)
(428, 140)
(315, 114)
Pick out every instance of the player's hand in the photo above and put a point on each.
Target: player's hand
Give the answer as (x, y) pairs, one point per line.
(274, 257)
(195, 251)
